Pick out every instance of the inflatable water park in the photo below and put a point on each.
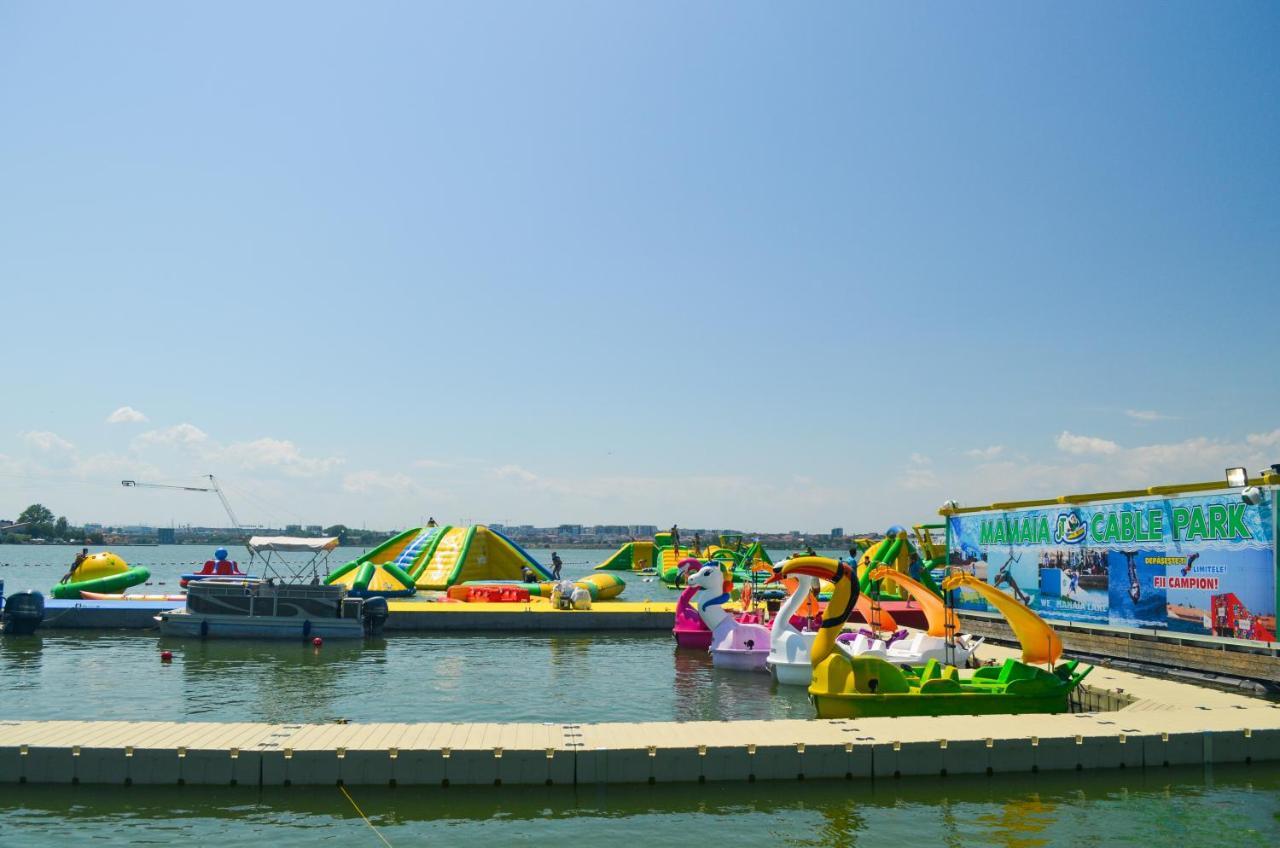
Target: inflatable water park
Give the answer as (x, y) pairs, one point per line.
(662, 557)
(931, 622)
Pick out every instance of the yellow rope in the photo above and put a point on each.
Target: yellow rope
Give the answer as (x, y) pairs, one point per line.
(377, 832)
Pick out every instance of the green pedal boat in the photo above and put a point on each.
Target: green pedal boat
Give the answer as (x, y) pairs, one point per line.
(863, 686)
(866, 686)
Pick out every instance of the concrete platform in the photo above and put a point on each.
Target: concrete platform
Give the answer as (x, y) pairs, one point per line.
(1160, 723)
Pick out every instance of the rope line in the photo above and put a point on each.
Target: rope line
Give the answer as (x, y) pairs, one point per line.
(375, 830)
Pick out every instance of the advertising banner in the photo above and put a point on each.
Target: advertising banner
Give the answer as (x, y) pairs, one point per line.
(1194, 564)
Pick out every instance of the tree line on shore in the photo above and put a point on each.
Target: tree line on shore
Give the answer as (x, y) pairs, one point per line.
(38, 522)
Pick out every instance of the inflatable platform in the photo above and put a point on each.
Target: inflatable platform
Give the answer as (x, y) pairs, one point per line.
(101, 572)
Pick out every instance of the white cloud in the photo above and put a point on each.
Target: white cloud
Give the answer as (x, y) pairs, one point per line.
(179, 434)
(262, 453)
(48, 442)
(1148, 415)
(364, 482)
(275, 453)
(985, 454)
(918, 474)
(1071, 443)
(1264, 440)
(516, 473)
(431, 463)
(126, 415)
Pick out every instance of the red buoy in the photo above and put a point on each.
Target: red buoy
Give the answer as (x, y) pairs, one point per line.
(317, 641)
(166, 656)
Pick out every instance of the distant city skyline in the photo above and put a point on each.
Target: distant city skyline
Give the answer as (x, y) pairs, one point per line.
(734, 265)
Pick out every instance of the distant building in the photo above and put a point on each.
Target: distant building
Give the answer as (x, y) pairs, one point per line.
(837, 532)
(315, 529)
(164, 535)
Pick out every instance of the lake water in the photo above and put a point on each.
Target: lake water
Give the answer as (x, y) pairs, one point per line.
(404, 677)
(1144, 809)
(558, 678)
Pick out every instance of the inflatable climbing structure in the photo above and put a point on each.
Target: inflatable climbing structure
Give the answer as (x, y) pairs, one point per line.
(435, 558)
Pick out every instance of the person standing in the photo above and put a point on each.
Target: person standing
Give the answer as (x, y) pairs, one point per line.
(556, 565)
(675, 539)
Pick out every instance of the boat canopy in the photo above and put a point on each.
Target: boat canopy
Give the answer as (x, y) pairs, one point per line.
(292, 544)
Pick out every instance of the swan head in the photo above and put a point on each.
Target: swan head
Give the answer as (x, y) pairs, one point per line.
(711, 579)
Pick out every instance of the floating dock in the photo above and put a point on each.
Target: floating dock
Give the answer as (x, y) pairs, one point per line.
(1134, 722)
(104, 615)
(424, 616)
(408, 615)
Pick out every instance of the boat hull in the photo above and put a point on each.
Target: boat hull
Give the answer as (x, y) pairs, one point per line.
(738, 660)
(980, 703)
(183, 624)
(697, 639)
(798, 673)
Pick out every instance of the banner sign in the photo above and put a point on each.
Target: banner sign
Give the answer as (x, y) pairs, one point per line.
(1194, 564)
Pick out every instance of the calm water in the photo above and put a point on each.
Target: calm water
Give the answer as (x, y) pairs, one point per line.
(405, 677)
(474, 677)
(1227, 806)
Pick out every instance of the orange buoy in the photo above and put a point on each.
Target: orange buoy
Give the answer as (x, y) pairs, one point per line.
(166, 656)
(317, 641)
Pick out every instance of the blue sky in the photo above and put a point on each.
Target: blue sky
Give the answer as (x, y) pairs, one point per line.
(722, 264)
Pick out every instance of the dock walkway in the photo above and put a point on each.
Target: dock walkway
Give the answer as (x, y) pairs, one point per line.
(1158, 723)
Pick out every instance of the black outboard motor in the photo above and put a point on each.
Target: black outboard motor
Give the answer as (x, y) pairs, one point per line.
(374, 612)
(22, 614)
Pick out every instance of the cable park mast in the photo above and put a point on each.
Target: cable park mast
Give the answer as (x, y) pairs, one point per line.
(212, 487)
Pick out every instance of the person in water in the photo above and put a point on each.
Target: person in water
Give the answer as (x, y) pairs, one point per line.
(75, 565)
(1005, 576)
(556, 565)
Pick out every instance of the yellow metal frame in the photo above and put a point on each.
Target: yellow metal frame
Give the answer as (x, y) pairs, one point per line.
(1268, 478)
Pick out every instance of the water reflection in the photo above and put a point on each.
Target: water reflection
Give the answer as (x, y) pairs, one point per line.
(1020, 823)
(20, 657)
(1015, 811)
(269, 681)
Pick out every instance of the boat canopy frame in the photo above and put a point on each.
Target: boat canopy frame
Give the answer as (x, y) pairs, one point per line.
(271, 549)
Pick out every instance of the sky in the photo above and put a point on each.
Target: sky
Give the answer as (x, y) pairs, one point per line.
(746, 264)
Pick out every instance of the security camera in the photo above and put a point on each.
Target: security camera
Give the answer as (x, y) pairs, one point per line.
(1251, 495)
